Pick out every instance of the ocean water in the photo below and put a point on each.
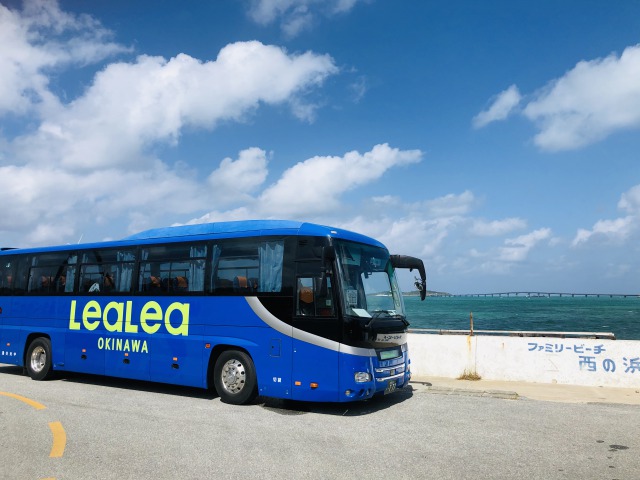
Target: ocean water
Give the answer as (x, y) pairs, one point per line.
(618, 315)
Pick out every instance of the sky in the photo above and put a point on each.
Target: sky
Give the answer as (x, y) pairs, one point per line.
(498, 141)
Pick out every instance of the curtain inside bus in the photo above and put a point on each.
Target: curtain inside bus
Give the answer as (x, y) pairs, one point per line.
(271, 257)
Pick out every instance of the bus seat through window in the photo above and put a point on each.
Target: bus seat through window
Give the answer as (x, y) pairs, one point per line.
(306, 304)
(181, 284)
(240, 284)
(154, 284)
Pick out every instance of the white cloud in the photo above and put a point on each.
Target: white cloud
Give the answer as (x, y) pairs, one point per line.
(517, 249)
(37, 199)
(618, 230)
(359, 88)
(496, 227)
(591, 101)
(236, 179)
(630, 201)
(411, 234)
(503, 104)
(386, 200)
(315, 185)
(296, 16)
(38, 39)
(131, 106)
(451, 204)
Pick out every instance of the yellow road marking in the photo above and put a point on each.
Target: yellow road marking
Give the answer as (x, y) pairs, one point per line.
(59, 439)
(28, 401)
(59, 435)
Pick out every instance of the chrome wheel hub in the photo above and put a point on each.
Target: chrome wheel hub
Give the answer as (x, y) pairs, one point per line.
(233, 376)
(38, 359)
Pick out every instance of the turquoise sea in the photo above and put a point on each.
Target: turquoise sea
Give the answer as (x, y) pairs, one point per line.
(618, 315)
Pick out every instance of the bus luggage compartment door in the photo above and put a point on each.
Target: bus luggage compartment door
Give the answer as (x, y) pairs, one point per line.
(82, 353)
(126, 357)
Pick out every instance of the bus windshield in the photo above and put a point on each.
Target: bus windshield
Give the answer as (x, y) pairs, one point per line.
(369, 286)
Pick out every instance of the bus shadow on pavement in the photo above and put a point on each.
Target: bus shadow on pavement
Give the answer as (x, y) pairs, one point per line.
(137, 385)
(11, 370)
(350, 409)
(276, 405)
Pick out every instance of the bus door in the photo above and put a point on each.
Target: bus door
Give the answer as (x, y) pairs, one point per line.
(316, 337)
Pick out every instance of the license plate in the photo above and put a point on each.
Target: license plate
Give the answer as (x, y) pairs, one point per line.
(391, 387)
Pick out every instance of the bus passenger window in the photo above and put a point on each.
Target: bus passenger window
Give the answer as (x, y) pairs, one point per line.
(172, 269)
(247, 266)
(48, 273)
(6, 277)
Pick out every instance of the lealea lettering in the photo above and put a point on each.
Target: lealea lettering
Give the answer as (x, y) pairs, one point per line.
(118, 317)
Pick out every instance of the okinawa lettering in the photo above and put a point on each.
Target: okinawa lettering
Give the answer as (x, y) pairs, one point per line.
(119, 317)
(123, 345)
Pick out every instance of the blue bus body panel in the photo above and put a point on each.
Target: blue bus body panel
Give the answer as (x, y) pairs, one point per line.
(287, 365)
(314, 365)
(10, 345)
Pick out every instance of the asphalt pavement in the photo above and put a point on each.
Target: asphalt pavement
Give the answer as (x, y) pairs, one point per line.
(86, 427)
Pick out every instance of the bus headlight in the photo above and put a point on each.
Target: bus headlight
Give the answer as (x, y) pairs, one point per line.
(362, 377)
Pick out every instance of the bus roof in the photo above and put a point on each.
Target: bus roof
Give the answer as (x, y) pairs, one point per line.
(244, 228)
(250, 227)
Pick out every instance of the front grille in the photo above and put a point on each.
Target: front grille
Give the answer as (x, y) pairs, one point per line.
(385, 373)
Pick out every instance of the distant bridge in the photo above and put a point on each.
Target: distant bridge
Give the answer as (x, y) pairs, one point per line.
(544, 294)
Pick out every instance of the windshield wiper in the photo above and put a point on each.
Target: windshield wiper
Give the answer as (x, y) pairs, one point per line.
(390, 314)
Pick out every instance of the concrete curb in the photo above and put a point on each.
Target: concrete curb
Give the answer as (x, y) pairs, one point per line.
(526, 390)
(427, 387)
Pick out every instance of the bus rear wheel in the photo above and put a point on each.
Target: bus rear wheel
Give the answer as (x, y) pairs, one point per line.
(38, 361)
(234, 377)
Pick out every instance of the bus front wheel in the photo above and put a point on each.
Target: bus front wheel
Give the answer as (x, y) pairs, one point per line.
(38, 361)
(235, 377)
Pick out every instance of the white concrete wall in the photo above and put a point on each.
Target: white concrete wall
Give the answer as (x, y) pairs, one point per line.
(579, 361)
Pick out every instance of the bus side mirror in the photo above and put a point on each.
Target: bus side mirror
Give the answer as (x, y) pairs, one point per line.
(404, 261)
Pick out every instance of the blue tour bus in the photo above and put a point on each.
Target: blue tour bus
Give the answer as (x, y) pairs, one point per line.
(276, 308)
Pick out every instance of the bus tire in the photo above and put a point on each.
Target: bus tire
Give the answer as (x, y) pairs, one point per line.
(234, 376)
(38, 362)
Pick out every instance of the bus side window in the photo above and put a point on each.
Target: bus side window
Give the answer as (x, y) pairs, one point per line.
(21, 275)
(315, 297)
(6, 276)
(171, 269)
(90, 279)
(306, 297)
(248, 266)
(48, 273)
(235, 267)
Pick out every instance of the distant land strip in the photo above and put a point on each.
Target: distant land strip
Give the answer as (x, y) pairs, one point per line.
(530, 294)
